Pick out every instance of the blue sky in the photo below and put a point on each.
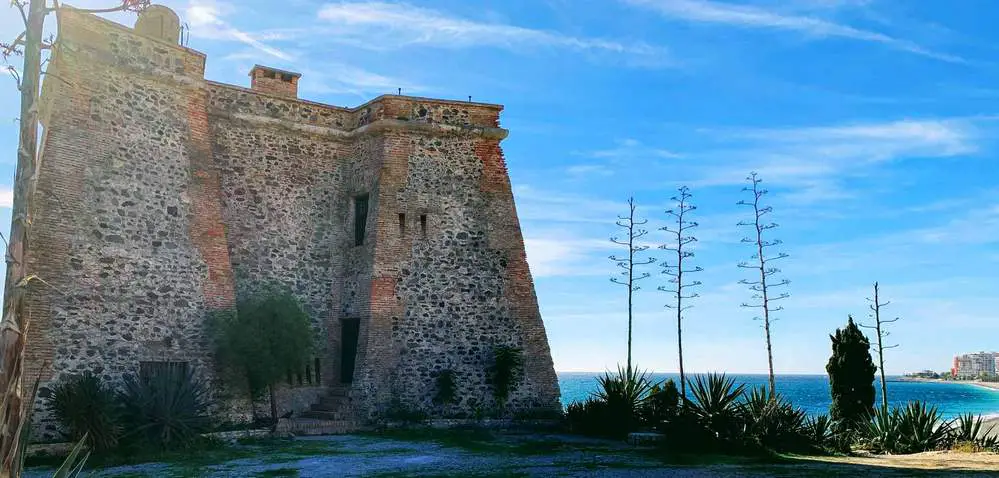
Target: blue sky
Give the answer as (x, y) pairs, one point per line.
(872, 122)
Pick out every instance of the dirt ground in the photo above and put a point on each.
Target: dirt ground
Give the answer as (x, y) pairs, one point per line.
(479, 454)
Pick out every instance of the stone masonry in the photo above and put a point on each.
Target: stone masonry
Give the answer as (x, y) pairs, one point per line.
(163, 196)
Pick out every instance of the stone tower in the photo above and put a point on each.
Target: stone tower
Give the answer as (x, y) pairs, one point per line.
(164, 196)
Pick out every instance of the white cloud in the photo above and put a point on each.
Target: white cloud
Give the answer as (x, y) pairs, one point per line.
(632, 148)
(722, 13)
(6, 197)
(815, 159)
(390, 25)
(560, 255)
(205, 19)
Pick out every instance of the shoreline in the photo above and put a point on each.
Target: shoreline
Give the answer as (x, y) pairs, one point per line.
(979, 383)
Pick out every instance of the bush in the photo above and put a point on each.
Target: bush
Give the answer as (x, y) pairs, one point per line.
(507, 364)
(592, 417)
(715, 404)
(85, 406)
(914, 428)
(446, 387)
(819, 431)
(661, 406)
(398, 411)
(267, 335)
(773, 422)
(166, 410)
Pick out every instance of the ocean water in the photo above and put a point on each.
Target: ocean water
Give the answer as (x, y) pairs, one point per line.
(811, 392)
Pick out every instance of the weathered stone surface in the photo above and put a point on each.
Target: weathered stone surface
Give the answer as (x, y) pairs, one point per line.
(164, 196)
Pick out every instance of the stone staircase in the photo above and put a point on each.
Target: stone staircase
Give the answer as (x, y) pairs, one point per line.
(330, 416)
(335, 405)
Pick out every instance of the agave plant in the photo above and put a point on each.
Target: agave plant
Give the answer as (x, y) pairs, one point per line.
(922, 428)
(627, 389)
(882, 432)
(715, 403)
(819, 430)
(167, 409)
(85, 406)
(623, 395)
(968, 428)
(772, 421)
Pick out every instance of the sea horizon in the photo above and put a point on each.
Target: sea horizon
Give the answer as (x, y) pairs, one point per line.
(811, 391)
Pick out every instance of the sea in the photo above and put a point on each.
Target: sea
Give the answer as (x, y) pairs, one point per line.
(811, 392)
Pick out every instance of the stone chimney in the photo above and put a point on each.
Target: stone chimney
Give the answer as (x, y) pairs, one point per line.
(157, 21)
(274, 81)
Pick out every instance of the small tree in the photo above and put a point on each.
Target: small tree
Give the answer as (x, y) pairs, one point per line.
(760, 261)
(851, 376)
(268, 335)
(881, 334)
(676, 270)
(629, 263)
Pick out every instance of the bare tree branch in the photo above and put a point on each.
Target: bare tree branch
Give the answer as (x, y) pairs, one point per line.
(760, 260)
(880, 332)
(632, 232)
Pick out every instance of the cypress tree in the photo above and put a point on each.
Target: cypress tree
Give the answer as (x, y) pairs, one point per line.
(851, 376)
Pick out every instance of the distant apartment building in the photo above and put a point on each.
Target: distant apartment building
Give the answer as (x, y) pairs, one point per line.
(975, 364)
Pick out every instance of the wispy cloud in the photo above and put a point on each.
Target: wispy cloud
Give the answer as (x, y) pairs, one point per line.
(388, 25)
(205, 19)
(814, 159)
(745, 16)
(632, 148)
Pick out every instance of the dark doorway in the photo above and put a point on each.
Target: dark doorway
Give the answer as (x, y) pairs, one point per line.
(348, 348)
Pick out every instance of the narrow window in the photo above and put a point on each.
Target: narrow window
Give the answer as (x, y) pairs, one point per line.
(318, 381)
(423, 224)
(402, 224)
(360, 218)
(286, 78)
(308, 374)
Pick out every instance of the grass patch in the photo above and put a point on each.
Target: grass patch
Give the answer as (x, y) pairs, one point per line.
(471, 439)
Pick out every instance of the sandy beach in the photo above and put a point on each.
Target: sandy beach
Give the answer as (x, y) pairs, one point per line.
(990, 385)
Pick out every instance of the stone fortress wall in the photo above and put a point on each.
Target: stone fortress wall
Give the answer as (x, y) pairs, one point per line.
(164, 196)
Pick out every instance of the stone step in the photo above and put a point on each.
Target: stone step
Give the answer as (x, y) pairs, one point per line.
(334, 401)
(316, 426)
(337, 392)
(329, 415)
(326, 407)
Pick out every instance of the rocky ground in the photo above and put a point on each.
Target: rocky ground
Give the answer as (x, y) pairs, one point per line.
(480, 453)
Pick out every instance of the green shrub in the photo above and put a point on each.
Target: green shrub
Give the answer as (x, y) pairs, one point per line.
(819, 431)
(85, 406)
(914, 428)
(661, 406)
(446, 387)
(267, 335)
(773, 422)
(166, 410)
(507, 364)
(968, 428)
(399, 411)
(715, 404)
(593, 417)
(922, 428)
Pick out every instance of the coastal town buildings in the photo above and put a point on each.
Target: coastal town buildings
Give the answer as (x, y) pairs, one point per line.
(975, 365)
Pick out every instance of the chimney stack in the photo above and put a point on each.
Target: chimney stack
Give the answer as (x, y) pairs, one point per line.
(274, 81)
